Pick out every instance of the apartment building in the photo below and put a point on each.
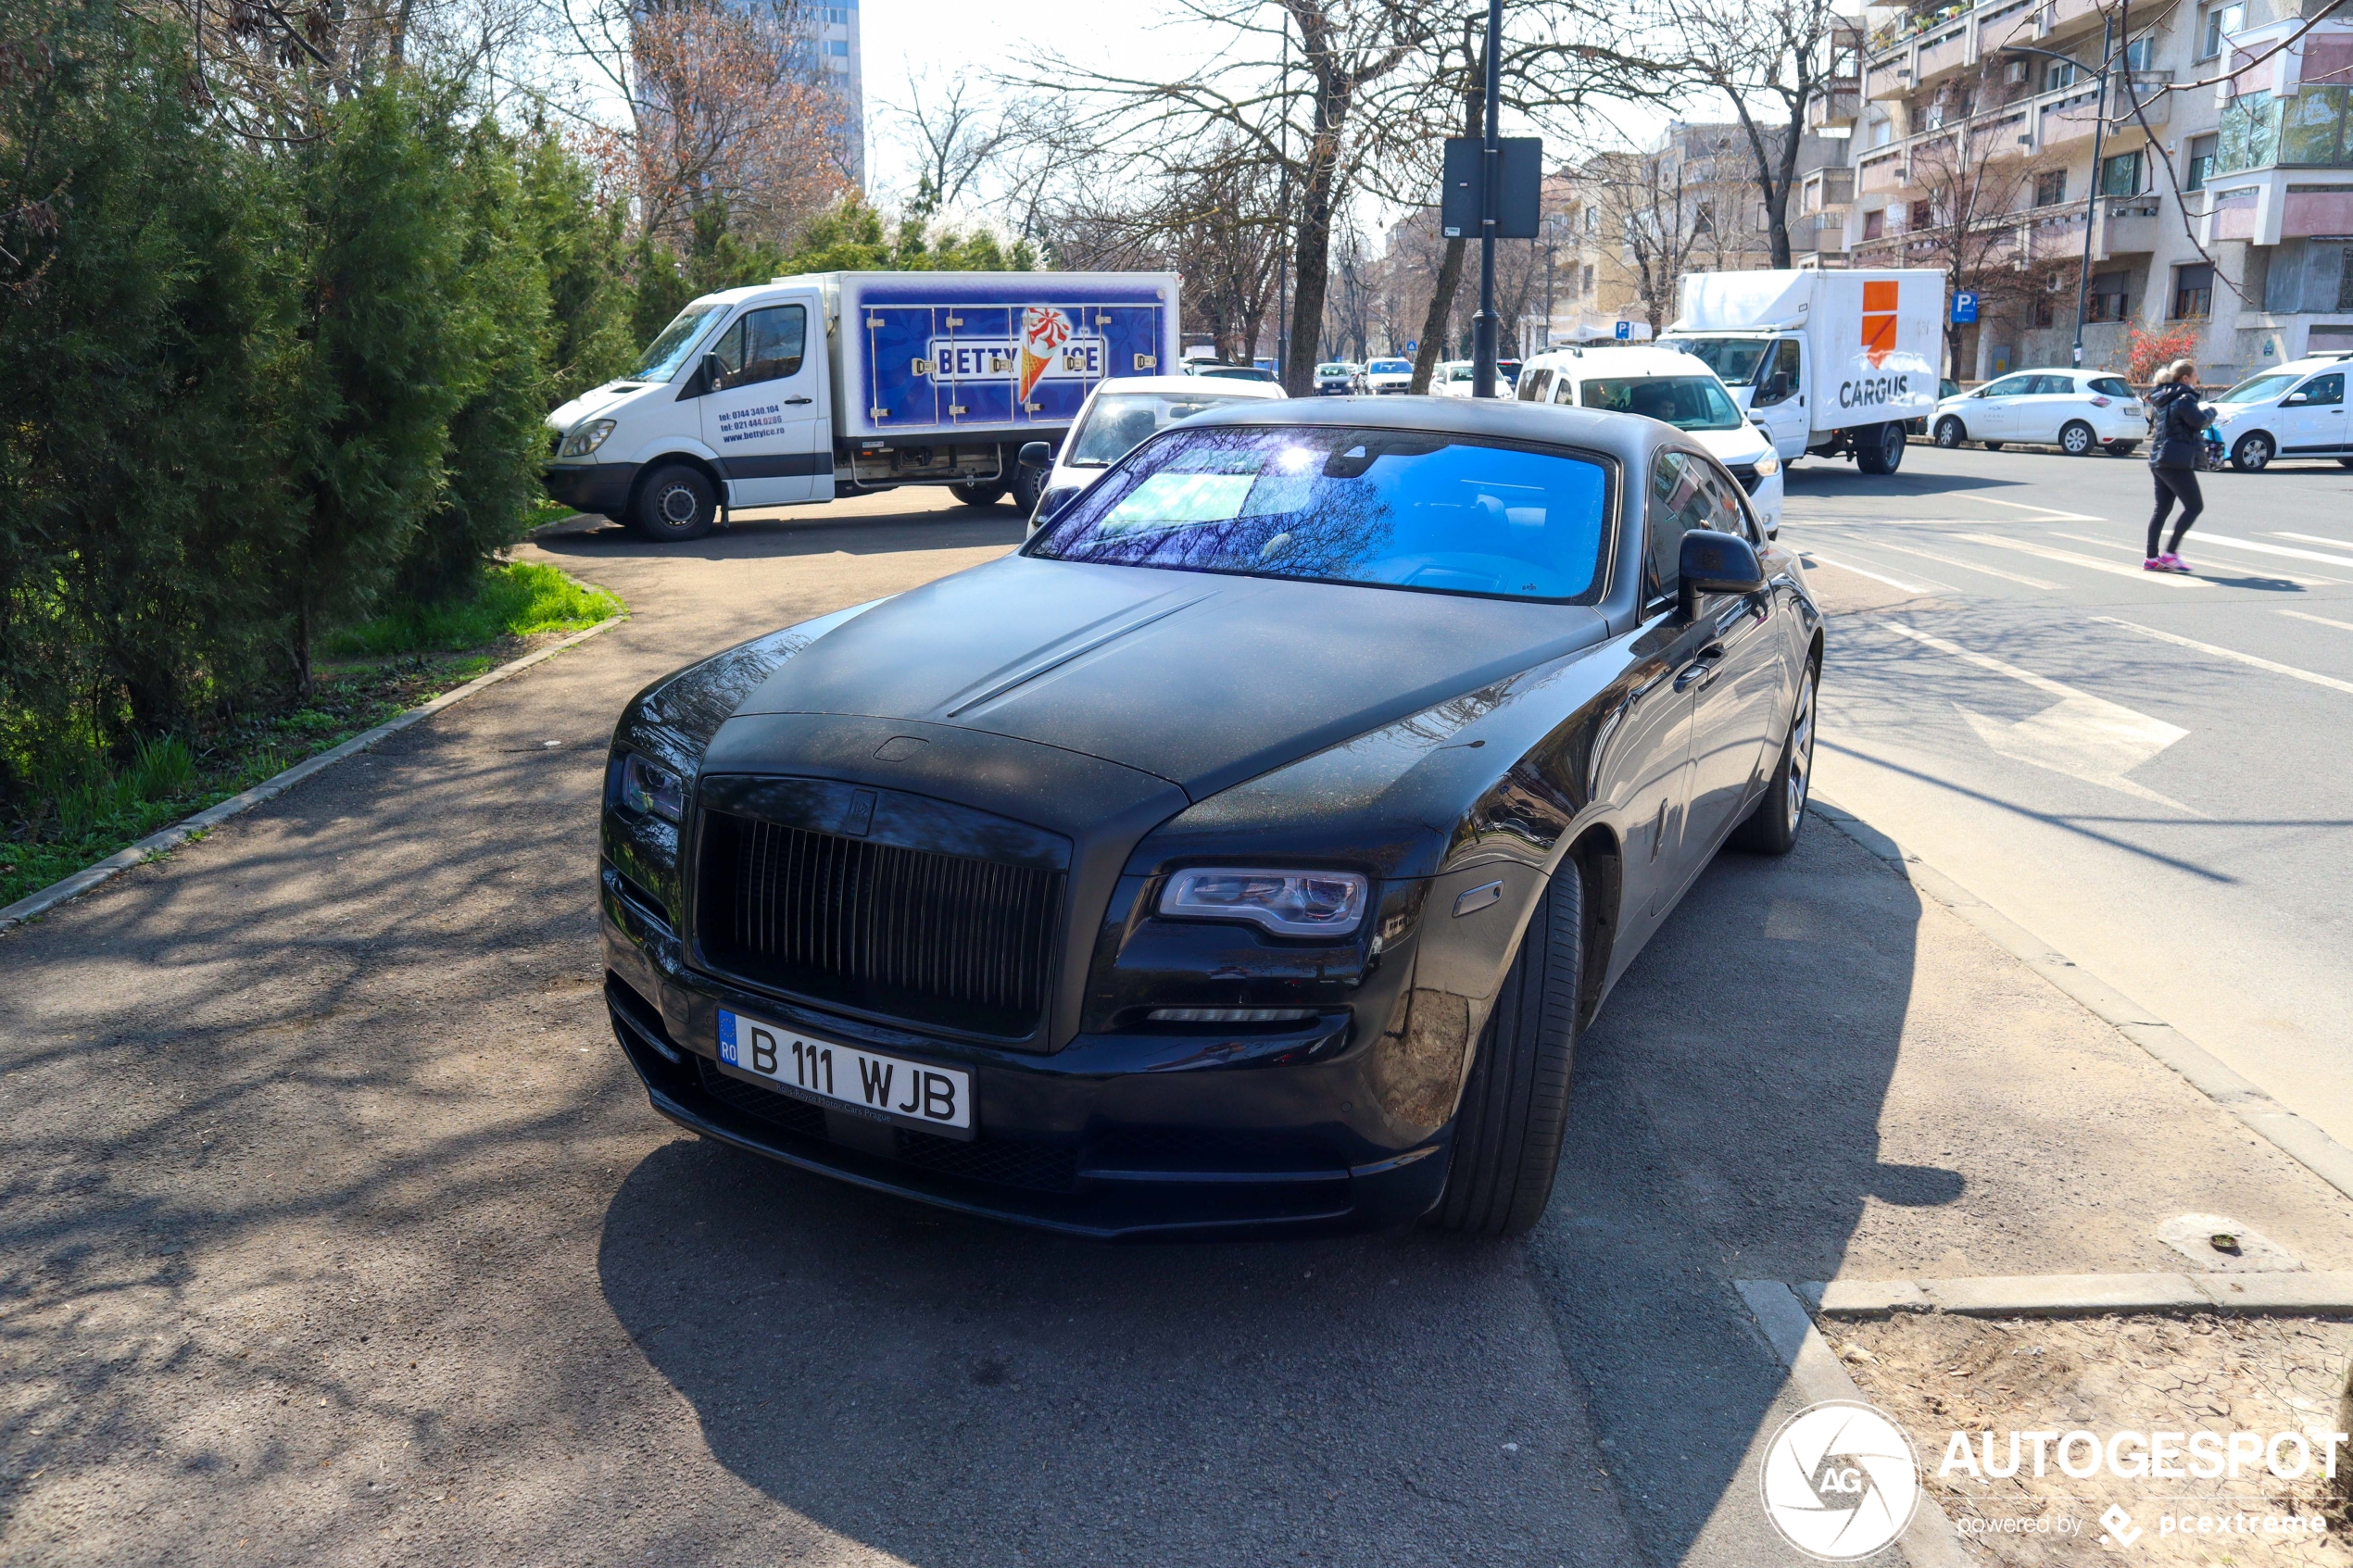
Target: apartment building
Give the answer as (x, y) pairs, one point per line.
(2212, 173)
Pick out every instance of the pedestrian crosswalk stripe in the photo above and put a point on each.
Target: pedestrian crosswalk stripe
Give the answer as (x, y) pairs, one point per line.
(2330, 681)
(2320, 619)
(1879, 577)
(1966, 565)
(2207, 537)
(2169, 578)
(2278, 572)
(2313, 539)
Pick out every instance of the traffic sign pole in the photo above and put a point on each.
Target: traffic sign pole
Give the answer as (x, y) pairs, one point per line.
(1483, 325)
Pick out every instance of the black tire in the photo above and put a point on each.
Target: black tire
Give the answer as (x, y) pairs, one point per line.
(2122, 449)
(1506, 1147)
(1993, 445)
(1950, 433)
(1880, 450)
(984, 494)
(675, 504)
(1028, 484)
(2254, 453)
(1771, 827)
(2078, 439)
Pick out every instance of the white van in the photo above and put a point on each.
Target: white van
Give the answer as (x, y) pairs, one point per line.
(1675, 388)
(2294, 411)
(1120, 414)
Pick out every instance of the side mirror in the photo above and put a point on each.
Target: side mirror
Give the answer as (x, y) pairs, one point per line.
(1036, 455)
(715, 374)
(2292, 399)
(1710, 562)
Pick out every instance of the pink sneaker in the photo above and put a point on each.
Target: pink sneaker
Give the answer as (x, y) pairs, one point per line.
(2154, 563)
(2169, 561)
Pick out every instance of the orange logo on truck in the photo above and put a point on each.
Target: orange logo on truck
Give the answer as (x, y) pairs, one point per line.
(1043, 332)
(1878, 323)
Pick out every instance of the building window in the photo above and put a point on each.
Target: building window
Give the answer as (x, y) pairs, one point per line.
(2141, 54)
(2059, 73)
(1589, 278)
(2106, 300)
(1883, 130)
(2345, 281)
(2221, 23)
(2121, 175)
(838, 47)
(2043, 310)
(2201, 162)
(1704, 218)
(2193, 291)
(1923, 215)
(837, 16)
(1592, 220)
(2050, 189)
(1874, 223)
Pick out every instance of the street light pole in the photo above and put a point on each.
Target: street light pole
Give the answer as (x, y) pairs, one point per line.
(2092, 196)
(1490, 212)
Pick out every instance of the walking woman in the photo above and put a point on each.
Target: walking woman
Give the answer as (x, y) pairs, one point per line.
(2177, 434)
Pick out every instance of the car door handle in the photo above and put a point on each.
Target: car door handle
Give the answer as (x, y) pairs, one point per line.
(1700, 670)
(790, 401)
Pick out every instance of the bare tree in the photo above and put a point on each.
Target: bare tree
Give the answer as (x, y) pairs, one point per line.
(1649, 209)
(955, 141)
(1769, 59)
(1348, 329)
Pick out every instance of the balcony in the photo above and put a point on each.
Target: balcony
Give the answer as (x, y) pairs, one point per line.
(2070, 115)
(2129, 226)
(1888, 78)
(1838, 103)
(1941, 56)
(2065, 18)
(1884, 172)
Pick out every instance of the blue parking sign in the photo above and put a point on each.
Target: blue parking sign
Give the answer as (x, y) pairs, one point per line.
(1964, 307)
(1625, 332)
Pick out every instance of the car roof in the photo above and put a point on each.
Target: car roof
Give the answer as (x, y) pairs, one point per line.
(2312, 362)
(1241, 387)
(1641, 361)
(1628, 437)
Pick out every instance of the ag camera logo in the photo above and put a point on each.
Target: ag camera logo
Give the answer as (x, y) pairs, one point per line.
(1840, 1481)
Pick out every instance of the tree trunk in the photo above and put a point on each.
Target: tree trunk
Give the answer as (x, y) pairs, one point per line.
(1450, 271)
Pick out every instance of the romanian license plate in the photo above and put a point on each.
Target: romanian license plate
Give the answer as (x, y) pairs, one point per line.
(828, 1074)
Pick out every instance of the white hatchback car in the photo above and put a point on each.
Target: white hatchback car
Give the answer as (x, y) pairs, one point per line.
(1452, 379)
(1672, 387)
(2075, 411)
(1118, 417)
(2294, 411)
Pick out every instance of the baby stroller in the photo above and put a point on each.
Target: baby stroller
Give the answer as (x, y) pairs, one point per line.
(2210, 455)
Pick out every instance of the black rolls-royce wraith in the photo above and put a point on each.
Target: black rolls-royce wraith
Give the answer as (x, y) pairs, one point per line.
(1245, 852)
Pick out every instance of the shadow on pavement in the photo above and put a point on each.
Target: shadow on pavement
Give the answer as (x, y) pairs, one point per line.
(902, 1376)
(799, 534)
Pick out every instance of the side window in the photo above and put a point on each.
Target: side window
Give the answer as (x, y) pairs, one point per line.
(2055, 386)
(2011, 386)
(773, 342)
(1533, 385)
(1685, 492)
(2111, 387)
(2328, 389)
(1565, 391)
(1780, 382)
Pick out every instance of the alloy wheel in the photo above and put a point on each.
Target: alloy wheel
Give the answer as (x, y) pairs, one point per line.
(1801, 746)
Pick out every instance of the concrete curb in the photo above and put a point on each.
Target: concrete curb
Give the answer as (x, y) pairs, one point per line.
(35, 905)
(2033, 1295)
(1817, 1375)
(2292, 1135)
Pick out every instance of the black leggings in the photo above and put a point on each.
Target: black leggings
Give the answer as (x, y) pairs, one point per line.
(2171, 483)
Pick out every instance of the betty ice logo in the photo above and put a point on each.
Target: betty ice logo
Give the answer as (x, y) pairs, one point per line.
(1044, 330)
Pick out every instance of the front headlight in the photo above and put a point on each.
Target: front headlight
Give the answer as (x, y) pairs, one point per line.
(649, 788)
(1767, 465)
(1287, 903)
(586, 439)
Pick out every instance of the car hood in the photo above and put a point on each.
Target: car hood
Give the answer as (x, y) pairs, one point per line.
(1198, 679)
(1742, 446)
(595, 401)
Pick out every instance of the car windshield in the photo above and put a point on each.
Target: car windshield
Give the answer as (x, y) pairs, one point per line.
(1379, 508)
(1685, 402)
(1237, 373)
(1333, 369)
(1120, 423)
(1458, 372)
(669, 350)
(2259, 389)
(1390, 367)
(1734, 359)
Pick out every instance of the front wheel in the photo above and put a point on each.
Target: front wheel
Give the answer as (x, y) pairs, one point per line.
(2077, 439)
(676, 505)
(2253, 454)
(1028, 484)
(1950, 433)
(1506, 1147)
(985, 494)
(1771, 827)
(1879, 450)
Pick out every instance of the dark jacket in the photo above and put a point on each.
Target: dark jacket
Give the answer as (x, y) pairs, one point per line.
(2177, 427)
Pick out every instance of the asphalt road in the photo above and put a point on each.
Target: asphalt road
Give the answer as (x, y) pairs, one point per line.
(2152, 773)
(336, 1230)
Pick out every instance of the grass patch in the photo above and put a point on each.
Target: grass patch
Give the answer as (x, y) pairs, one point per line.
(86, 811)
(514, 601)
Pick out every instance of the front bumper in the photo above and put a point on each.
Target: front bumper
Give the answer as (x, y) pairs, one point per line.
(1112, 1137)
(591, 487)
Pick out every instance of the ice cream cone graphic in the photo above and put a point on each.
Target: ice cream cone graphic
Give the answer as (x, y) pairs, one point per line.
(1043, 332)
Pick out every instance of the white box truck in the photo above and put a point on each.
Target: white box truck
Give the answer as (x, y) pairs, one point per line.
(808, 388)
(1826, 363)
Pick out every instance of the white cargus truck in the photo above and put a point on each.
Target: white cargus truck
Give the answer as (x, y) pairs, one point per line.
(828, 384)
(1826, 363)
